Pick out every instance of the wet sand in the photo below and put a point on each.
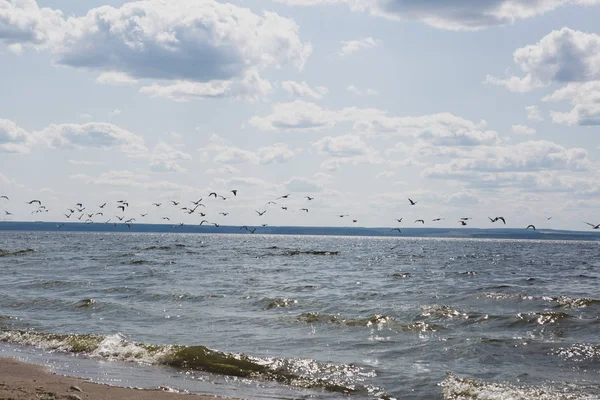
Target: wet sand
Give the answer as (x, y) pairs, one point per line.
(21, 381)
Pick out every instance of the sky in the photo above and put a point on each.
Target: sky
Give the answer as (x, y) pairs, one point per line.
(473, 109)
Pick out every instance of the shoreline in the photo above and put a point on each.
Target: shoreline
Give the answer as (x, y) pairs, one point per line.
(24, 381)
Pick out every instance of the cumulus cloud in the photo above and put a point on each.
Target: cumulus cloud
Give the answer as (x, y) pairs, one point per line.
(352, 46)
(92, 135)
(242, 181)
(585, 98)
(451, 15)
(303, 185)
(302, 89)
(562, 56)
(165, 158)
(130, 179)
(14, 139)
(223, 152)
(251, 87)
(361, 92)
(203, 48)
(346, 149)
(533, 113)
(523, 130)
(443, 129)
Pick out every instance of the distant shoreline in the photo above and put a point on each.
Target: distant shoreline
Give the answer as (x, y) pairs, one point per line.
(474, 233)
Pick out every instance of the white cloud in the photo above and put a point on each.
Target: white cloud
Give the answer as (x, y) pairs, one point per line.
(304, 185)
(23, 22)
(203, 47)
(222, 170)
(533, 113)
(302, 89)
(444, 14)
(352, 46)
(85, 116)
(297, 115)
(92, 135)
(385, 174)
(242, 181)
(115, 113)
(523, 130)
(225, 153)
(14, 139)
(366, 92)
(114, 78)
(84, 162)
(585, 98)
(346, 149)
(165, 158)
(561, 56)
(251, 87)
(132, 180)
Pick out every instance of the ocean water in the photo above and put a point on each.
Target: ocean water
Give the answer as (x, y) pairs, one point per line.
(282, 317)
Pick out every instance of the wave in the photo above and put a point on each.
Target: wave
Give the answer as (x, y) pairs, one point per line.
(456, 388)
(579, 352)
(6, 253)
(375, 320)
(559, 301)
(306, 373)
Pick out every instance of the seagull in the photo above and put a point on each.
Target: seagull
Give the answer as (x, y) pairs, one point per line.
(202, 214)
(223, 197)
(243, 227)
(234, 191)
(224, 214)
(420, 220)
(260, 214)
(493, 219)
(71, 211)
(68, 215)
(80, 209)
(549, 218)
(35, 201)
(399, 220)
(203, 221)
(264, 225)
(271, 202)
(130, 220)
(143, 215)
(7, 213)
(252, 230)
(463, 223)
(90, 215)
(122, 208)
(530, 226)
(175, 203)
(216, 225)
(310, 198)
(79, 205)
(593, 226)
(304, 209)
(121, 201)
(284, 208)
(166, 218)
(157, 204)
(501, 219)
(412, 203)
(396, 229)
(437, 219)
(4, 197)
(129, 226)
(285, 196)
(343, 215)
(80, 217)
(468, 218)
(212, 194)
(120, 218)
(59, 225)
(99, 213)
(354, 220)
(102, 206)
(196, 203)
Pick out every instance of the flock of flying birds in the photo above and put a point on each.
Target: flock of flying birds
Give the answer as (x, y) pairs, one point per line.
(83, 214)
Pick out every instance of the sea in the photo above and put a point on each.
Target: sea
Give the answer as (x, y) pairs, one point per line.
(269, 316)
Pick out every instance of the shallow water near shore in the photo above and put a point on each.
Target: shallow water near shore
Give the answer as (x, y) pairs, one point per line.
(259, 316)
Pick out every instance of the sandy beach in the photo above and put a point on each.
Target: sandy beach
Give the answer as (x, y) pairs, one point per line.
(20, 381)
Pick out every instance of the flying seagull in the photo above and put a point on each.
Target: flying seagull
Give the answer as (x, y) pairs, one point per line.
(143, 215)
(284, 208)
(212, 194)
(122, 208)
(260, 213)
(234, 191)
(102, 206)
(530, 226)
(354, 220)
(203, 221)
(120, 218)
(304, 209)
(271, 202)
(35, 201)
(285, 196)
(223, 197)
(166, 218)
(196, 202)
(396, 229)
(437, 219)
(7, 213)
(224, 214)
(501, 219)
(412, 203)
(593, 226)
(399, 220)
(4, 197)
(463, 223)
(310, 198)
(175, 203)
(157, 204)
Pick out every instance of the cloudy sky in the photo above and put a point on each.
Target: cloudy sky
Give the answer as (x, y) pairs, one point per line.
(471, 108)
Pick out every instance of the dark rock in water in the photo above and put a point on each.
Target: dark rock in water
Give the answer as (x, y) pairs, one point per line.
(86, 303)
(400, 275)
(5, 253)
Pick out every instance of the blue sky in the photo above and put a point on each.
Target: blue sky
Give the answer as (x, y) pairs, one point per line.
(472, 111)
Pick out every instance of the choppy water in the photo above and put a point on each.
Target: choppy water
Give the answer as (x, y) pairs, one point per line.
(307, 317)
